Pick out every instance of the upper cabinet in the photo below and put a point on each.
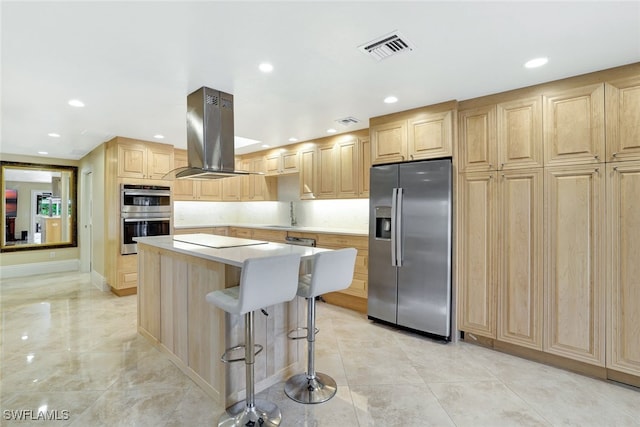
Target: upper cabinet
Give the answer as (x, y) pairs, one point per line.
(281, 161)
(519, 133)
(308, 171)
(143, 160)
(423, 133)
(256, 186)
(623, 119)
(477, 139)
(574, 131)
(365, 167)
(190, 189)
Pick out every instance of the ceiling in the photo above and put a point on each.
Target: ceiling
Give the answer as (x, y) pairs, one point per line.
(133, 63)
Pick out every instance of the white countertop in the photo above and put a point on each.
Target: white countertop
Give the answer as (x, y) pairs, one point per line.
(229, 255)
(323, 230)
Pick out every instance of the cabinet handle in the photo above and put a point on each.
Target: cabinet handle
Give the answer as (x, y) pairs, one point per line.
(597, 157)
(489, 165)
(614, 155)
(411, 157)
(615, 168)
(501, 165)
(597, 170)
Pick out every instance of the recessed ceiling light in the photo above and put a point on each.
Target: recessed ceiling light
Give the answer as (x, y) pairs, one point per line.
(332, 130)
(390, 100)
(265, 67)
(265, 146)
(76, 103)
(292, 139)
(44, 153)
(536, 62)
(54, 135)
(158, 136)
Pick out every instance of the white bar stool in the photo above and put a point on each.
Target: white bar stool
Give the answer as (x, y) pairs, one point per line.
(263, 282)
(332, 271)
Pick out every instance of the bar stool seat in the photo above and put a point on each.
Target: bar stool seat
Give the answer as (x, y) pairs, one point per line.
(332, 271)
(263, 282)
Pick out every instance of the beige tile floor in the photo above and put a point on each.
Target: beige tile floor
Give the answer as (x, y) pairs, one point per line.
(72, 351)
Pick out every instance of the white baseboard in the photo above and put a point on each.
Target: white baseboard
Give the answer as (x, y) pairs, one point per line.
(100, 282)
(21, 270)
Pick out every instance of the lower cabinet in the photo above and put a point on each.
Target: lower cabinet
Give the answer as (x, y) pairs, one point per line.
(574, 282)
(359, 285)
(623, 276)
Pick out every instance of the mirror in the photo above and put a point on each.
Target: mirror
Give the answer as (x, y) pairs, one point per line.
(38, 206)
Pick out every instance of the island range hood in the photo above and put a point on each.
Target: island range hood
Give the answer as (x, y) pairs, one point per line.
(210, 137)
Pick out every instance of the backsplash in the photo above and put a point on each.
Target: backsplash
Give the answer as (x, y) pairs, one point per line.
(352, 214)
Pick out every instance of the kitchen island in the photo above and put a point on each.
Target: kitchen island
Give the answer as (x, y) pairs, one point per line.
(174, 277)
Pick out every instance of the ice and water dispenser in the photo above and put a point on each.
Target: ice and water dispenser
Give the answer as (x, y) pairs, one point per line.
(383, 222)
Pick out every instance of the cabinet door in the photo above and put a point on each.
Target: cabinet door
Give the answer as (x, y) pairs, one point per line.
(210, 189)
(347, 155)
(477, 139)
(183, 189)
(273, 164)
(231, 188)
(574, 269)
(160, 161)
(246, 192)
(389, 142)
(519, 133)
(520, 277)
(289, 162)
(308, 173)
(623, 119)
(430, 135)
(132, 161)
(365, 168)
(326, 188)
(477, 253)
(574, 126)
(623, 251)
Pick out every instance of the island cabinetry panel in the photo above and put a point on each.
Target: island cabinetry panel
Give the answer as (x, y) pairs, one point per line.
(574, 127)
(623, 262)
(477, 246)
(421, 133)
(520, 257)
(149, 301)
(574, 282)
(622, 98)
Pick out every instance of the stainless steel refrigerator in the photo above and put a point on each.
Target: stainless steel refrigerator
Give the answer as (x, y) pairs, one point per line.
(410, 246)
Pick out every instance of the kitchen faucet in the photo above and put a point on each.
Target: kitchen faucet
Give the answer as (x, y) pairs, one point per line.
(292, 216)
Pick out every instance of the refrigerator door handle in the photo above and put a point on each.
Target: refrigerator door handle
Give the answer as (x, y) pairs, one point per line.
(398, 214)
(394, 206)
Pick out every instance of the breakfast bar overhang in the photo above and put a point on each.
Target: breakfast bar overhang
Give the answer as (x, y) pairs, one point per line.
(174, 276)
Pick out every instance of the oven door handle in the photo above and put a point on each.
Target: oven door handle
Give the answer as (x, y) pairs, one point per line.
(145, 219)
(146, 193)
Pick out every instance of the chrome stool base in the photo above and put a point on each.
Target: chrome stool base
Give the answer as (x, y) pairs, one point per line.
(263, 413)
(305, 389)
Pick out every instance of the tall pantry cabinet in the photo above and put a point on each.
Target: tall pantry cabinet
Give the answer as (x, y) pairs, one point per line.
(549, 222)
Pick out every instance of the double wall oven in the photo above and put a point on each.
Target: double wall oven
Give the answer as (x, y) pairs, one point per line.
(145, 210)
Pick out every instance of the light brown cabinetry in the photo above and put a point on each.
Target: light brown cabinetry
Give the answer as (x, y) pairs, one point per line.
(519, 133)
(477, 253)
(365, 167)
(281, 161)
(190, 189)
(326, 184)
(623, 119)
(144, 160)
(623, 263)
(338, 169)
(359, 285)
(574, 282)
(232, 187)
(520, 257)
(308, 171)
(477, 139)
(574, 131)
(422, 133)
(257, 187)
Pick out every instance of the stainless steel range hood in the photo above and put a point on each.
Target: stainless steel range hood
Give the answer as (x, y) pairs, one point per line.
(210, 137)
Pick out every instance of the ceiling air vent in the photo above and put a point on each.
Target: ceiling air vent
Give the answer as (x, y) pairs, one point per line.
(348, 121)
(386, 46)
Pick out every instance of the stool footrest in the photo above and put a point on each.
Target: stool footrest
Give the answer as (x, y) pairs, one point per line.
(225, 356)
(300, 337)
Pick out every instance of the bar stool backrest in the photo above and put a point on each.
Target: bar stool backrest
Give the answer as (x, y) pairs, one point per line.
(268, 281)
(332, 271)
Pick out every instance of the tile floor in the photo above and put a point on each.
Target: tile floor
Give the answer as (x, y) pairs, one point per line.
(71, 351)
